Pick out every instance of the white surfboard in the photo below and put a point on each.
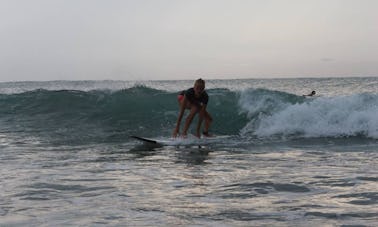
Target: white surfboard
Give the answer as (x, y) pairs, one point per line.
(191, 140)
(148, 140)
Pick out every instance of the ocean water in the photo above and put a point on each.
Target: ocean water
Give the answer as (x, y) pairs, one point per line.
(279, 159)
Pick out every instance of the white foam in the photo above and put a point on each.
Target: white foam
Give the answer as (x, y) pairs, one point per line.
(320, 117)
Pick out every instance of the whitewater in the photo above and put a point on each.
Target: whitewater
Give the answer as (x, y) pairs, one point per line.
(282, 159)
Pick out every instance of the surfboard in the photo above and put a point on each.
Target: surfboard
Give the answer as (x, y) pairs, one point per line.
(178, 141)
(146, 140)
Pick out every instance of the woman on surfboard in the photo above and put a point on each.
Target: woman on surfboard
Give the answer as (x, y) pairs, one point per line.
(194, 99)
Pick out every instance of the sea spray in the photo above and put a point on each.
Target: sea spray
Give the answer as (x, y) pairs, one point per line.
(343, 116)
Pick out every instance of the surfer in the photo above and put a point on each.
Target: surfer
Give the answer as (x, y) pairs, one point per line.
(194, 99)
(311, 94)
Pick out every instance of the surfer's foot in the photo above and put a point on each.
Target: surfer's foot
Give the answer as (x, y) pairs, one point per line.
(206, 134)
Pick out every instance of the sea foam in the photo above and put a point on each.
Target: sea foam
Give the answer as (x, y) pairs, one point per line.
(271, 115)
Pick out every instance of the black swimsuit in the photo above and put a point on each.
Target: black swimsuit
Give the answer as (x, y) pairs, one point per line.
(190, 95)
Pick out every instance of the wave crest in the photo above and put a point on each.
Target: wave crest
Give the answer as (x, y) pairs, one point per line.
(344, 116)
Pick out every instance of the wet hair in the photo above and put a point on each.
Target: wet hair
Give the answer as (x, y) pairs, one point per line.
(200, 82)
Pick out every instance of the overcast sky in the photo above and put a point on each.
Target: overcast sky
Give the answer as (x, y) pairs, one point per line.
(182, 39)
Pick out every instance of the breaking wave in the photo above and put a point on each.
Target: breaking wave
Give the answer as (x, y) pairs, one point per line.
(66, 116)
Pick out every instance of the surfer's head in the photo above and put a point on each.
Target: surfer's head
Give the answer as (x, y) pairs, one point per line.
(199, 86)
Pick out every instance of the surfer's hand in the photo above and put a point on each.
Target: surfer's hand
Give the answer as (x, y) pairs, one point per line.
(183, 135)
(175, 132)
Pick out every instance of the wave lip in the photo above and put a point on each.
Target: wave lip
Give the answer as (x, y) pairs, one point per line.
(344, 116)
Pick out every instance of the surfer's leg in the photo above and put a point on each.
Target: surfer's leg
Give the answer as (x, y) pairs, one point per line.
(198, 131)
(208, 120)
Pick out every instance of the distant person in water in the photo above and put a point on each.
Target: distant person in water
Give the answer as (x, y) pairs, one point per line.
(194, 99)
(311, 94)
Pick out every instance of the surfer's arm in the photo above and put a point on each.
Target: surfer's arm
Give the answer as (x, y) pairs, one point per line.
(182, 110)
(189, 119)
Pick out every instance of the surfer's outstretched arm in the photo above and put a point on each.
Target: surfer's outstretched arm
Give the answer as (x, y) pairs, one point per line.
(181, 114)
(189, 119)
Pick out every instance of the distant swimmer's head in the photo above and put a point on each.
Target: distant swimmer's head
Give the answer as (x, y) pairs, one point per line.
(199, 86)
(311, 94)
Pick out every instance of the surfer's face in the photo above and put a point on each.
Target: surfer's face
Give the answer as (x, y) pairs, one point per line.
(198, 89)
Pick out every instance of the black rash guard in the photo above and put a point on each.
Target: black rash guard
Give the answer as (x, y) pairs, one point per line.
(200, 101)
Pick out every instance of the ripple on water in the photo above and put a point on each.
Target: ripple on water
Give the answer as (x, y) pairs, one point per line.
(366, 198)
(47, 191)
(265, 187)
